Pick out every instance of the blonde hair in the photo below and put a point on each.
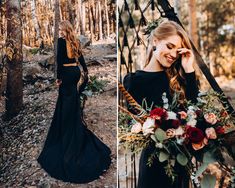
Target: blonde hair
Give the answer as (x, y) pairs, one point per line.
(72, 44)
(175, 73)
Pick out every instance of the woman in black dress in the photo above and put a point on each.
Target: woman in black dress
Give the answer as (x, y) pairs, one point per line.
(71, 152)
(169, 68)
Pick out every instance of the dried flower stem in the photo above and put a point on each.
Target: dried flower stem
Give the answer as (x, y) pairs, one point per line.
(129, 113)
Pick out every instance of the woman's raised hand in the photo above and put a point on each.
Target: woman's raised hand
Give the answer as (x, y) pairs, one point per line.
(187, 59)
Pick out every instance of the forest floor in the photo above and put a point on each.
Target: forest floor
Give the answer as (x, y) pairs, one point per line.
(24, 135)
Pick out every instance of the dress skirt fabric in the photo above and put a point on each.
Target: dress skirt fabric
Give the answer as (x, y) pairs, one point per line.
(71, 152)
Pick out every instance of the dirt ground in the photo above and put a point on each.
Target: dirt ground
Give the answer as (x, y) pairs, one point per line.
(24, 135)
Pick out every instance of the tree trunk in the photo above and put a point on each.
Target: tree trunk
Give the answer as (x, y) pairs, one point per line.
(56, 29)
(77, 20)
(107, 18)
(35, 21)
(113, 19)
(90, 22)
(71, 13)
(193, 22)
(61, 12)
(100, 22)
(96, 21)
(93, 16)
(83, 19)
(14, 91)
(79, 15)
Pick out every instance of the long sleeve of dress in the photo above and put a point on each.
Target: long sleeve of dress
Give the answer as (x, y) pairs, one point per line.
(192, 89)
(61, 54)
(82, 61)
(83, 64)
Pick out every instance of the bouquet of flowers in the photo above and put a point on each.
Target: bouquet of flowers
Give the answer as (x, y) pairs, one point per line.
(181, 133)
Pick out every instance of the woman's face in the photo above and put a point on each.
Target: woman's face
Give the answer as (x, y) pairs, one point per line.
(166, 50)
(61, 33)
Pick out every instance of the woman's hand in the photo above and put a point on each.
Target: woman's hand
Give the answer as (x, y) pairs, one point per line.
(58, 82)
(187, 59)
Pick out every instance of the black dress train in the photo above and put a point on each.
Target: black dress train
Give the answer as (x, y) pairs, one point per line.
(150, 86)
(71, 152)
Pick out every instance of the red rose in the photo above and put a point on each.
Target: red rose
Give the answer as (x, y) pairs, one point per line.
(219, 130)
(158, 113)
(175, 123)
(195, 135)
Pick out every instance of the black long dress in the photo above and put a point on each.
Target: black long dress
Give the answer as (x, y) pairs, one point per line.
(151, 85)
(71, 152)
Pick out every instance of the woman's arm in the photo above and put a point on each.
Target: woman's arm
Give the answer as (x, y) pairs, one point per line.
(187, 58)
(83, 64)
(82, 61)
(61, 51)
(192, 89)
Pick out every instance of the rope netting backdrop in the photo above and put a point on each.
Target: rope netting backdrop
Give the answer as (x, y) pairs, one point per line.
(134, 16)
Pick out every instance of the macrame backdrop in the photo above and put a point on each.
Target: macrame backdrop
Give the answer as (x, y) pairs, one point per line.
(133, 17)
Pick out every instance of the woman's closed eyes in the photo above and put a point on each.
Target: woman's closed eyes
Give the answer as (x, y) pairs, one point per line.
(169, 46)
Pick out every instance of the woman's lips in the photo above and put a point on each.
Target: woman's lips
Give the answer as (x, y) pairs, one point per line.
(170, 59)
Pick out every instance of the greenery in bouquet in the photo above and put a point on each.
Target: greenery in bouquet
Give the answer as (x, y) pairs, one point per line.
(181, 133)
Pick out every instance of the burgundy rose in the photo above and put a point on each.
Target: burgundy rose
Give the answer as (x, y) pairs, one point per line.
(199, 113)
(219, 130)
(175, 123)
(195, 135)
(158, 113)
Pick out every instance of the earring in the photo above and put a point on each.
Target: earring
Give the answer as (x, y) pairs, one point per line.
(154, 48)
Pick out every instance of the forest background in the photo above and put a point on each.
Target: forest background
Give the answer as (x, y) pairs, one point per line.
(28, 42)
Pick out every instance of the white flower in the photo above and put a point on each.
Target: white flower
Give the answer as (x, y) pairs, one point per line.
(191, 114)
(164, 98)
(192, 122)
(201, 93)
(201, 100)
(166, 106)
(165, 101)
(179, 131)
(180, 140)
(191, 108)
(171, 115)
(148, 126)
(136, 128)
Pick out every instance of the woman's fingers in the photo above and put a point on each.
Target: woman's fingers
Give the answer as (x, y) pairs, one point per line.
(184, 51)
